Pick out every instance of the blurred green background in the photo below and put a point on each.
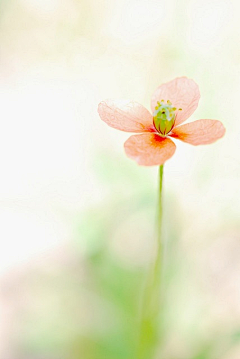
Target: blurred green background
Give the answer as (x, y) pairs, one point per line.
(77, 216)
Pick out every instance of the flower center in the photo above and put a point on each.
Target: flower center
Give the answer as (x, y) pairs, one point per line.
(164, 117)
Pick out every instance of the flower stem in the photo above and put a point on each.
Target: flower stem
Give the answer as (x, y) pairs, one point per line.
(151, 298)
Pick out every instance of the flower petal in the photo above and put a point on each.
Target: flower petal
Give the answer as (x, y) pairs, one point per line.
(200, 132)
(126, 116)
(183, 93)
(149, 149)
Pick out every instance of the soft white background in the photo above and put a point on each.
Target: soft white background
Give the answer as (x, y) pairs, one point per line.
(58, 60)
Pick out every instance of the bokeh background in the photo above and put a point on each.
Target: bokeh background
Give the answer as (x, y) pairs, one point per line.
(77, 216)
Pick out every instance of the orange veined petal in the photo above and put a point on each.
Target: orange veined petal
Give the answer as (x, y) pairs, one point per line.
(183, 93)
(149, 149)
(126, 116)
(200, 132)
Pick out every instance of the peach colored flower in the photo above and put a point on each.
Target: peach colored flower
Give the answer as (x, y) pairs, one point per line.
(172, 104)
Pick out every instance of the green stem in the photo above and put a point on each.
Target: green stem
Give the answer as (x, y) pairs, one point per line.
(148, 338)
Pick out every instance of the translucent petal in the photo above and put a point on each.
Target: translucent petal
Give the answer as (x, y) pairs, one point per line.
(149, 149)
(200, 132)
(126, 116)
(183, 93)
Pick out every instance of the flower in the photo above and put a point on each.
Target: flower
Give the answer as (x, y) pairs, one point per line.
(172, 103)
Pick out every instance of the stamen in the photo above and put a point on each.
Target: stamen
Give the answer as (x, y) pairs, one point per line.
(164, 117)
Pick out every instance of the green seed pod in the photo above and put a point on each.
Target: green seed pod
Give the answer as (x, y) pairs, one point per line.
(164, 117)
